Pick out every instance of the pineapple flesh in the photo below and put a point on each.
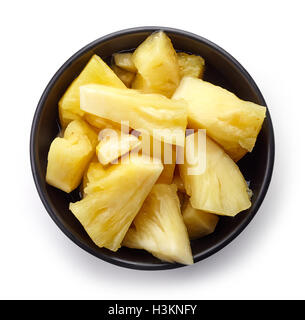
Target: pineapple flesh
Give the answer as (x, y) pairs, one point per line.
(198, 223)
(165, 152)
(93, 172)
(114, 144)
(113, 197)
(124, 61)
(96, 71)
(125, 76)
(140, 84)
(190, 65)
(157, 62)
(160, 117)
(220, 188)
(85, 179)
(228, 120)
(159, 229)
(100, 123)
(69, 156)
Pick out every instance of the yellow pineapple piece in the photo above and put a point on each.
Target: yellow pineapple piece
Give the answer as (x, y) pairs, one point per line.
(124, 61)
(159, 228)
(85, 180)
(160, 117)
(165, 152)
(231, 122)
(114, 144)
(168, 158)
(96, 71)
(101, 123)
(156, 61)
(140, 84)
(190, 65)
(125, 76)
(93, 174)
(183, 197)
(198, 223)
(69, 156)
(220, 188)
(114, 195)
(80, 128)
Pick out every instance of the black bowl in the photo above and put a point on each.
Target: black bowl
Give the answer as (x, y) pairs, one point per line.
(222, 69)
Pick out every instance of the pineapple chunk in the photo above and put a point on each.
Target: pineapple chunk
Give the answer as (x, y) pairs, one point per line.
(163, 151)
(80, 128)
(231, 122)
(190, 65)
(140, 84)
(162, 118)
(126, 76)
(114, 144)
(159, 228)
(96, 71)
(156, 61)
(85, 180)
(198, 223)
(114, 195)
(221, 188)
(69, 156)
(124, 61)
(100, 123)
(94, 173)
(183, 197)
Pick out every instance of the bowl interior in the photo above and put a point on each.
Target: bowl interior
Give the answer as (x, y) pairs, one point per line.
(221, 69)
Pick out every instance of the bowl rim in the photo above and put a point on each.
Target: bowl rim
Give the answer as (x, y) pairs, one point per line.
(138, 265)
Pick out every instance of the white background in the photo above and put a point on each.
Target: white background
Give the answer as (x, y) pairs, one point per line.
(266, 261)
